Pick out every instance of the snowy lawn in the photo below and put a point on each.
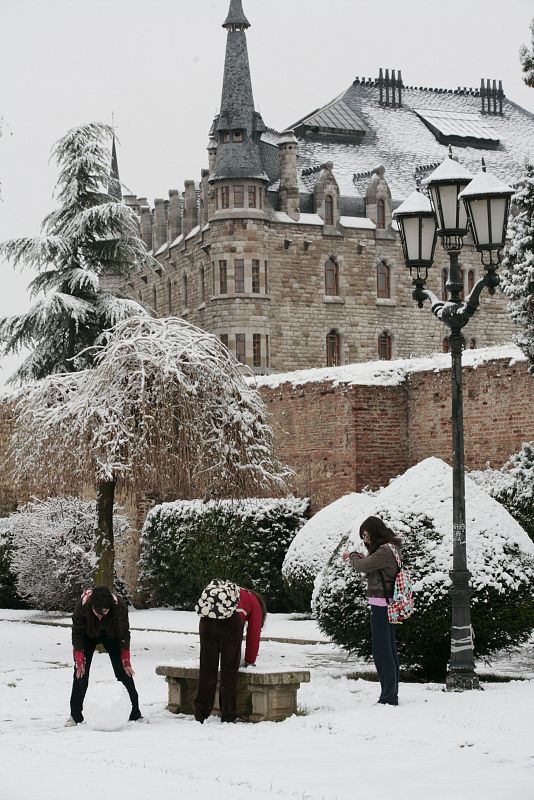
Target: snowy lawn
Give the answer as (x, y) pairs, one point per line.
(472, 745)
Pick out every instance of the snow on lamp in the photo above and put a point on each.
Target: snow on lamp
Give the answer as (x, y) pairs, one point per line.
(487, 203)
(445, 184)
(417, 228)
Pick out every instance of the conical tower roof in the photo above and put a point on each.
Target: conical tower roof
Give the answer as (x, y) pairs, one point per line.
(114, 186)
(238, 159)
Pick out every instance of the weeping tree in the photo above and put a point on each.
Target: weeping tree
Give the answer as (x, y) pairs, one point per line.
(90, 236)
(165, 409)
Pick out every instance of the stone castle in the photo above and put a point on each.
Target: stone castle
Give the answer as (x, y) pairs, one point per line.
(286, 248)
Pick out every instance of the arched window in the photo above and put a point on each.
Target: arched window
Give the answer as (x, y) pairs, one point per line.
(332, 349)
(446, 344)
(184, 289)
(470, 280)
(444, 279)
(328, 210)
(169, 297)
(380, 214)
(331, 277)
(384, 346)
(383, 288)
(155, 299)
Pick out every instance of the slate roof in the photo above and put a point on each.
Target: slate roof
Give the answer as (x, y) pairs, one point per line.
(400, 140)
(236, 15)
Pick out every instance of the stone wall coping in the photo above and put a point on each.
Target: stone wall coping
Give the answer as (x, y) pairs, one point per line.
(250, 675)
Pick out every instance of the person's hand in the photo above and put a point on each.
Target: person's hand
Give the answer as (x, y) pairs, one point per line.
(126, 664)
(79, 662)
(346, 555)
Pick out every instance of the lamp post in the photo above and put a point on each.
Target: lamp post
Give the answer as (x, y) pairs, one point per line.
(458, 201)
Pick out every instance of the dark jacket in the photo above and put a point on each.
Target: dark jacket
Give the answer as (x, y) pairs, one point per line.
(382, 560)
(114, 625)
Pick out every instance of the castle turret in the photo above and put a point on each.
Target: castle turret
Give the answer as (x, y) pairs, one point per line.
(289, 188)
(190, 218)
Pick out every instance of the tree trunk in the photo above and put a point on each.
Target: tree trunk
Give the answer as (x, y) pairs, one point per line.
(105, 550)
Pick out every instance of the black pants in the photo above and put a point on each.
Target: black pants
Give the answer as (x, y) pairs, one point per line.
(385, 655)
(219, 638)
(79, 685)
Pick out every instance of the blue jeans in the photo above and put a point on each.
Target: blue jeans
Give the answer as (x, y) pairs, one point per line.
(385, 655)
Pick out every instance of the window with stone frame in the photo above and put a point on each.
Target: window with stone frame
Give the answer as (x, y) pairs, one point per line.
(267, 352)
(237, 136)
(470, 280)
(328, 210)
(240, 348)
(255, 276)
(446, 344)
(472, 344)
(256, 350)
(169, 297)
(252, 197)
(444, 279)
(202, 284)
(223, 278)
(239, 196)
(331, 277)
(224, 339)
(225, 137)
(239, 276)
(225, 197)
(380, 214)
(333, 349)
(383, 282)
(384, 346)
(184, 289)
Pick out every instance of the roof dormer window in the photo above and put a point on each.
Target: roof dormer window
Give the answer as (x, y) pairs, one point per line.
(237, 136)
(225, 137)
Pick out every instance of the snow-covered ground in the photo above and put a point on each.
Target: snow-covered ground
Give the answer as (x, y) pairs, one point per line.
(475, 745)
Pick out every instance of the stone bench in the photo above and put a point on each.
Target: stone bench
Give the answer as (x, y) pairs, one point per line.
(261, 695)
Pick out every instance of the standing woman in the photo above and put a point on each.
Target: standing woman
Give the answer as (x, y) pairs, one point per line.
(100, 617)
(380, 567)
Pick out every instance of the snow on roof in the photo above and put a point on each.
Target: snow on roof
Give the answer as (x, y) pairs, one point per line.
(193, 233)
(357, 222)
(414, 204)
(485, 183)
(461, 124)
(304, 219)
(161, 249)
(387, 373)
(177, 241)
(449, 170)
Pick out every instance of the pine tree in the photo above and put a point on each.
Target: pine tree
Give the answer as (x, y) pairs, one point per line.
(90, 236)
(518, 265)
(526, 57)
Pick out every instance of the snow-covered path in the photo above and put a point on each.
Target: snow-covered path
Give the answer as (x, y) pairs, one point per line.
(476, 745)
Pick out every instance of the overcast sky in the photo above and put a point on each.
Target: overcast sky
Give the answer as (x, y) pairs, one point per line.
(158, 65)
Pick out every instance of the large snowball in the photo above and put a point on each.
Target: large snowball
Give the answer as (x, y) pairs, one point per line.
(106, 706)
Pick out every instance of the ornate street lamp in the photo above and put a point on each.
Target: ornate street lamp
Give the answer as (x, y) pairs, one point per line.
(483, 203)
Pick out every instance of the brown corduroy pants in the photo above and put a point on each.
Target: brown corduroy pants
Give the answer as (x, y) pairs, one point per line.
(219, 639)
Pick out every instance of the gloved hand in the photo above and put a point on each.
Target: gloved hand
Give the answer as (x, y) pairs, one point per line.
(79, 662)
(126, 664)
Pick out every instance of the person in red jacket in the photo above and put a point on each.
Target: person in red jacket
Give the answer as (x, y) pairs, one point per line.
(100, 617)
(220, 639)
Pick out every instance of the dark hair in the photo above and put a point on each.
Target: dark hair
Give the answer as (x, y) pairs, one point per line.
(379, 533)
(101, 597)
(261, 601)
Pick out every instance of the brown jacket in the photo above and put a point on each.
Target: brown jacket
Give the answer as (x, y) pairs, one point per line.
(114, 625)
(382, 560)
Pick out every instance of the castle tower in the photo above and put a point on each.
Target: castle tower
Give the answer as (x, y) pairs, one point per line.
(289, 188)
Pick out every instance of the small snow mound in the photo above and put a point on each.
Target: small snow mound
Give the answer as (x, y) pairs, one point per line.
(107, 707)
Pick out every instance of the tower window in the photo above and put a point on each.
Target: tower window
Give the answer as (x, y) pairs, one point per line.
(380, 214)
(224, 339)
(331, 277)
(332, 349)
(240, 350)
(225, 197)
(255, 276)
(252, 197)
(239, 196)
(383, 287)
(256, 350)
(225, 137)
(223, 278)
(328, 210)
(237, 136)
(384, 346)
(239, 276)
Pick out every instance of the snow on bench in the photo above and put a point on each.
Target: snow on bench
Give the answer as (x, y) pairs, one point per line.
(262, 695)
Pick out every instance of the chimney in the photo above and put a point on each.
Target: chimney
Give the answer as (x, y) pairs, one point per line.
(145, 222)
(390, 88)
(174, 219)
(289, 188)
(159, 236)
(491, 97)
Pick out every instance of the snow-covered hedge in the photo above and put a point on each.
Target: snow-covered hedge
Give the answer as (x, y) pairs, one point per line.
(187, 543)
(8, 582)
(513, 486)
(418, 506)
(51, 549)
(312, 547)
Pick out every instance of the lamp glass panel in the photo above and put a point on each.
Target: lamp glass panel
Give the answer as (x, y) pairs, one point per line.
(428, 230)
(451, 214)
(479, 217)
(411, 237)
(498, 220)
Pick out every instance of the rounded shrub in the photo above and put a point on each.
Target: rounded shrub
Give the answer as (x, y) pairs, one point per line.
(9, 597)
(417, 506)
(186, 544)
